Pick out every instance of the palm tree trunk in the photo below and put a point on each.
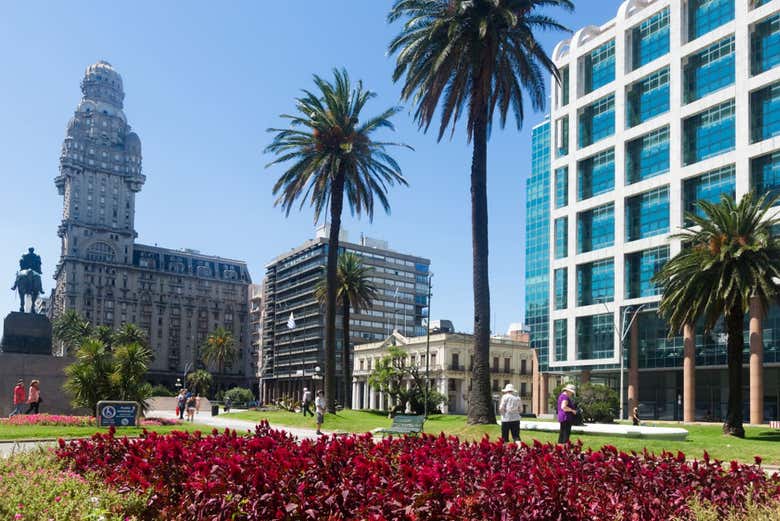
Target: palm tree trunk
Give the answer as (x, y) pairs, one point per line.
(347, 367)
(481, 400)
(336, 205)
(735, 327)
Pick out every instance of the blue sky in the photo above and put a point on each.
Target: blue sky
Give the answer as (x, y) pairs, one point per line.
(203, 82)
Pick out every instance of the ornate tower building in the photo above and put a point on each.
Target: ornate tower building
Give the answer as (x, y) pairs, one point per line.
(177, 296)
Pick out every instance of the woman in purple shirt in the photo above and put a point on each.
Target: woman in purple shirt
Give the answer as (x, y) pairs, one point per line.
(567, 411)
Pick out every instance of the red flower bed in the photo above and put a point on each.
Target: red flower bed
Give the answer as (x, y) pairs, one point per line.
(271, 475)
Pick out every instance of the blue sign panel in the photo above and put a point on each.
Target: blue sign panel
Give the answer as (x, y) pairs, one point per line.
(118, 414)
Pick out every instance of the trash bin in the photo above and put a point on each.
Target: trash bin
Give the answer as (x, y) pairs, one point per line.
(215, 410)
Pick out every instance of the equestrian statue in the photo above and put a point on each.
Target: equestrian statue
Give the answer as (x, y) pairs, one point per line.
(28, 279)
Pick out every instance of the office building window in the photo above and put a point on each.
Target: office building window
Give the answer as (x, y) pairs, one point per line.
(561, 288)
(561, 237)
(647, 214)
(562, 137)
(758, 3)
(650, 39)
(559, 335)
(641, 267)
(647, 98)
(596, 175)
(765, 113)
(597, 121)
(709, 133)
(706, 15)
(595, 337)
(561, 186)
(598, 67)
(596, 228)
(765, 174)
(709, 186)
(647, 156)
(709, 70)
(564, 86)
(765, 45)
(595, 282)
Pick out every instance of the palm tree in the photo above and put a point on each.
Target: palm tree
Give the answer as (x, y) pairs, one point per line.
(131, 363)
(729, 257)
(71, 329)
(332, 154)
(89, 378)
(477, 55)
(199, 381)
(220, 349)
(130, 334)
(354, 290)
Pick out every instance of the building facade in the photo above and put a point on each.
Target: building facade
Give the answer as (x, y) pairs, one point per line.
(449, 368)
(669, 103)
(294, 322)
(177, 296)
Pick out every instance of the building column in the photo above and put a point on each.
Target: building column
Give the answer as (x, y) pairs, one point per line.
(689, 373)
(535, 383)
(544, 392)
(585, 376)
(355, 397)
(382, 406)
(371, 398)
(444, 390)
(633, 369)
(756, 363)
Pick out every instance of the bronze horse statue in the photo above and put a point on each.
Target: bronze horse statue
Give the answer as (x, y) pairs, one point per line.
(28, 282)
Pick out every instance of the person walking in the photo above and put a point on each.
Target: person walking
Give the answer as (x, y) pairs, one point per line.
(306, 402)
(319, 406)
(567, 412)
(197, 403)
(34, 397)
(635, 416)
(191, 408)
(20, 398)
(509, 409)
(181, 402)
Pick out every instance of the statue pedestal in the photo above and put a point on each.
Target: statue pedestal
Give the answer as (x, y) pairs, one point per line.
(26, 333)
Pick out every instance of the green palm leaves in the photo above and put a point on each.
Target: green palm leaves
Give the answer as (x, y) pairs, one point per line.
(219, 349)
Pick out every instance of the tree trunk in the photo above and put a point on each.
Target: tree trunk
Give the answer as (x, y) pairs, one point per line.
(336, 205)
(346, 366)
(481, 400)
(735, 327)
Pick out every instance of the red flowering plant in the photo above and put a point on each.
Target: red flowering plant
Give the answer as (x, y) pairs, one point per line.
(272, 475)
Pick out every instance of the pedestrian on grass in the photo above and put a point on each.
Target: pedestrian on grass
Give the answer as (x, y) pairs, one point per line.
(191, 408)
(181, 402)
(635, 416)
(509, 409)
(20, 398)
(306, 402)
(567, 412)
(319, 405)
(34, 397)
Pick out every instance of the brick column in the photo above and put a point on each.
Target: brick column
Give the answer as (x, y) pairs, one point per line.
(689, 373)
(756, 363)
(633, 369)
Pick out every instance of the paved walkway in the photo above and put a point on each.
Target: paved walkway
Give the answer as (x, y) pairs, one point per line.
(224, 422)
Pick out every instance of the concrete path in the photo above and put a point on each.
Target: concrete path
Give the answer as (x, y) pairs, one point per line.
(9, 448)
(223, 422)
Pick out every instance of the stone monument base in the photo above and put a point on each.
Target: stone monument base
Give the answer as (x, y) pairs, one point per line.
(26, 333)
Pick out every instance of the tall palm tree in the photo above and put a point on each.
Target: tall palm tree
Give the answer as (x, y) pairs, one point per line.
(354, 290)
(220, 349)
(130, 334)
(71, 329)
(89, 378)
(199, 381)
(477, 55)
(332, 154)
(131, 363)
(729, 257)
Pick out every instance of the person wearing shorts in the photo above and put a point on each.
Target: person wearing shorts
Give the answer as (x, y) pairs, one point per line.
(319, 405)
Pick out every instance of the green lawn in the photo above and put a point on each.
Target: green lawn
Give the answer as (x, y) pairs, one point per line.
(760, 441)
(23, 432)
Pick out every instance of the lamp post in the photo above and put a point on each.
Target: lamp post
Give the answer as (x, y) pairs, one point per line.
(621, 337)
(187, 368)
(314, 378)
(428, 347)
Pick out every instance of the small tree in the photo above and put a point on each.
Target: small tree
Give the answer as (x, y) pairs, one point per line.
(220, 349)
(71, 329)
(131, 362)
(390, 377)
(200, 381)
(239, 395)
(598, 403)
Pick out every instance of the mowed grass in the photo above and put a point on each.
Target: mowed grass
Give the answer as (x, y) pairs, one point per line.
(34, 432)
(759, 441)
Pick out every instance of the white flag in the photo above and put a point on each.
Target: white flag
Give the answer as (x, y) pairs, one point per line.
(291, 321)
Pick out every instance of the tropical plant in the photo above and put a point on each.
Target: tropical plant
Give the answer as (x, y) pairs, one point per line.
(129, 334)
(89, 378)
(356, 291)
(131, 362)
(199, 382)
(477, 55)
(161, 390)
(219, 349)
(332, 154)
(240, 395)
(70, 329)
(729, 257)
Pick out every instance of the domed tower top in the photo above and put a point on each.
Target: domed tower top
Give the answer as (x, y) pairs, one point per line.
(102, 83)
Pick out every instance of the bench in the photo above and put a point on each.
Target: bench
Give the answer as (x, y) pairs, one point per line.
(403, 424)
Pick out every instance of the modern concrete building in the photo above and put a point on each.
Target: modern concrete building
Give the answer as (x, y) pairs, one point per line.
(670, 102)
(293, 321)
(449, 366)
(177, 296)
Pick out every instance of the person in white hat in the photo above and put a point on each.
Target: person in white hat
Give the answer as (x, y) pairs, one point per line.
(509, 409)
(567, 412)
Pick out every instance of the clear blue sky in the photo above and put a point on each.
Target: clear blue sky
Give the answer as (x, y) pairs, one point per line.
(203, 82)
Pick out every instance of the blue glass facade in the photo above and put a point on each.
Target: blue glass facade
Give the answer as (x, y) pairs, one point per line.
(765, 45)
(595, 337)
(596, 228)
(708, 187)
(561, 237)
(597, 121)
(765, 113)
(595, 282)
(562, 138)
(560, 333)
(706, 15)
(709, 70)
(537, 243)
(596, 175)
(565, 84)
(709, 133)
(561, 187)
(561, 282)
(765, 174)
(647, 98)
(647, 214)
(650, 39)
(647, 156)
(599, 67)
(640, 267)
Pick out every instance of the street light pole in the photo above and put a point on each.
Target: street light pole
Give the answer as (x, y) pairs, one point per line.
(428, 347)
(621, 337)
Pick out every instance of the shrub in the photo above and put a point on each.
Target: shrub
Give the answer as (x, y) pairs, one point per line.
(599, 403)
(161, 390)
(239, 395)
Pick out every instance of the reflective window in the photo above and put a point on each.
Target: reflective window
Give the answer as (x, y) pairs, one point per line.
(561, 187)
(596, 228)
(647, 98)
(765, 113)
(647, 156)
(595, 337)
(650, 39)
(564, 86)
(641, 267)
(765, 174)
(709, 186)
(647, 214)
(595, 282)
(561, 237)
(560, 333)
(561, 282)
(596, 175)
(709, 133)
(709, 70)
(597, 121)
(706, 15)
(562, 137)
(599, 67)
(765, 45)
